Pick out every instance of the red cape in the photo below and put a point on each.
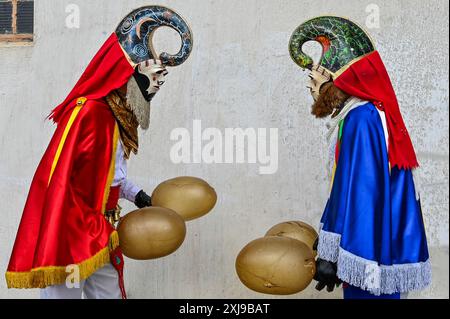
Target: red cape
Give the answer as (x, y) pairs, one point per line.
(63, 221)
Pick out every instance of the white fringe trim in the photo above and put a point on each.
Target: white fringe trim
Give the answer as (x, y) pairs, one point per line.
(328, 248)
(369, 275)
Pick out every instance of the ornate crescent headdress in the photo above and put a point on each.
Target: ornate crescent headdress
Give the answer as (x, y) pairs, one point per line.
(342, 40)
(136, 30)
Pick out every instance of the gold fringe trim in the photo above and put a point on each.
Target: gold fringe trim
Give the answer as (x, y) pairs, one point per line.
(51, 276)
(114, 241)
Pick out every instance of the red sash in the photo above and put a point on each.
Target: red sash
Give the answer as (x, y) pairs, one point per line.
(116, 255)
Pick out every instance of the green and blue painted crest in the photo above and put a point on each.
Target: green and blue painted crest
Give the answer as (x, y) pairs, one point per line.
(342, 40)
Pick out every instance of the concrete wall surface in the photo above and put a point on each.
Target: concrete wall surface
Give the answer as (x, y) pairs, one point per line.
(240, 75)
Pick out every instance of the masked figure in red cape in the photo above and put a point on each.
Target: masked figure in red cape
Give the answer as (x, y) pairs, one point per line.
(67, 231)
(372, 235)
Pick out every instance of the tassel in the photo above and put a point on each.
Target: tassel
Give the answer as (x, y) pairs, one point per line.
(117, 261)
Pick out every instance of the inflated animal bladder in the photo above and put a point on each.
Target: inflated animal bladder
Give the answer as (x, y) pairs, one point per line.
(190, 197)
(151, 233)
(276, 266)
(296, 230)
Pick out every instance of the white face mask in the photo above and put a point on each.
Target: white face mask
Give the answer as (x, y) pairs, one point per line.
(148, 78)
(319, 76)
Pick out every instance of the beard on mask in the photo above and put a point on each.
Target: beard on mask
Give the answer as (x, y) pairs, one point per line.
(330, 101)
(138, 104)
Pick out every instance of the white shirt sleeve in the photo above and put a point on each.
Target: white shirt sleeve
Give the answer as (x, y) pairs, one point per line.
(128, 190)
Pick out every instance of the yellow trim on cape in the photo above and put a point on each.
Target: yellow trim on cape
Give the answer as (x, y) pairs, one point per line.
(333, 176)
(76, 110)
(112, 167)
(57, 275)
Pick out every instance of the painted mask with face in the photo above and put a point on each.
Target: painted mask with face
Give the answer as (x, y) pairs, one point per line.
(148, 78)
(318, 77)
(343, 43)
(135, 35)
(328, 99)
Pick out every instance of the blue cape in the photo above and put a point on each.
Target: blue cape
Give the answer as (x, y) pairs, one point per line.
(372, 224)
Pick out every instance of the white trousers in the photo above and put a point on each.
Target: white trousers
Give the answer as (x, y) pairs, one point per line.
(104, 284)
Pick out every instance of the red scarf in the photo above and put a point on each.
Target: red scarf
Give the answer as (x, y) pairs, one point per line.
(368, 79)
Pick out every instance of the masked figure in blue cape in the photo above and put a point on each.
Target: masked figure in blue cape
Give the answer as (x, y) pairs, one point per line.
(372, 234)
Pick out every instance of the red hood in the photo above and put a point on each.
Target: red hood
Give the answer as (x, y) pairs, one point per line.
(368, 79)
(108, 71)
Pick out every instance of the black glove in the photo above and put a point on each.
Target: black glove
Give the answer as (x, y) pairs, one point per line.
(326, 275)
(142, 200)
(316, 245)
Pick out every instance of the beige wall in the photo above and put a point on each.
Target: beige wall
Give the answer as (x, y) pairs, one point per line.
(239, 75)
